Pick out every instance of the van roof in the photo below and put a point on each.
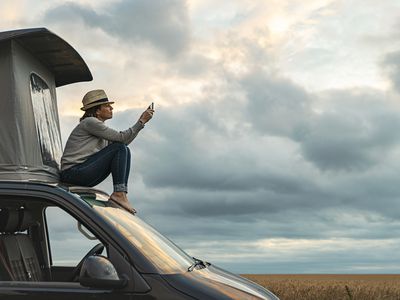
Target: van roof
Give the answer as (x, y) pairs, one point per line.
(52, 51)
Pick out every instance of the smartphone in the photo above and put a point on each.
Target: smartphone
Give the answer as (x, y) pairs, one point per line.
(151, 106)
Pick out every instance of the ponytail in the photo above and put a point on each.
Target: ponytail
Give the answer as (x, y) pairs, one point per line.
(91, 112)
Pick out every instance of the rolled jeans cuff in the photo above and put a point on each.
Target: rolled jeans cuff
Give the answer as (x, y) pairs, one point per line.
(120, 188)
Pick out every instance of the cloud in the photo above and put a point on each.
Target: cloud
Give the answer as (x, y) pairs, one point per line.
(163, 24)
(392, 66)
(275, 105)
(354, 132)
(337, 130)
(192, 147)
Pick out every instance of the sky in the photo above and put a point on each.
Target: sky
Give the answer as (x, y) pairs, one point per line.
(275, 145)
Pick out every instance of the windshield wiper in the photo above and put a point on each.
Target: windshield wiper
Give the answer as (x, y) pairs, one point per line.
(198, 263)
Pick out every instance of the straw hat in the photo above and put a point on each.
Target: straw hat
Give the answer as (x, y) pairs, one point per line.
(94, 98)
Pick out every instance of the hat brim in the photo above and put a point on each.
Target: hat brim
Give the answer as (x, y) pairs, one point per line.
(96, 104)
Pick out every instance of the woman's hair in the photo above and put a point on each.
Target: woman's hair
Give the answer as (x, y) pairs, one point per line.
(90, 112)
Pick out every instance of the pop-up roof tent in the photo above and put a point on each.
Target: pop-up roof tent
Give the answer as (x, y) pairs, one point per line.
(33, 62)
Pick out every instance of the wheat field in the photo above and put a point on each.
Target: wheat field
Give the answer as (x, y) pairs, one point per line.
(324, 287)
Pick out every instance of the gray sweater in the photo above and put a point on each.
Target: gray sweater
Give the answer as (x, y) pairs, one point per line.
(90, 136)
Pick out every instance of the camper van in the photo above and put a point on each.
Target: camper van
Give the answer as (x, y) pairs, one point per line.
(111, 253)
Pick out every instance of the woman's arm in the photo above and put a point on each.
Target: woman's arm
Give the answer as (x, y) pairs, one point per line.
(97, 128)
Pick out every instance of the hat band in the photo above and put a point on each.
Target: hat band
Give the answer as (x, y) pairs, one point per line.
(98, 101)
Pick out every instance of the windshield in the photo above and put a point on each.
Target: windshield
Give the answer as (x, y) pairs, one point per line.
(164, 254)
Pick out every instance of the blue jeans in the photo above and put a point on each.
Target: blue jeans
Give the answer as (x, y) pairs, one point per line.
(114, 159)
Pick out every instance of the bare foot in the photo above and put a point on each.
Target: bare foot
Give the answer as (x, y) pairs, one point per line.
(121, 199)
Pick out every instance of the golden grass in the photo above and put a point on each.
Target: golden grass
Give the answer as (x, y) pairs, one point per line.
(329, 287)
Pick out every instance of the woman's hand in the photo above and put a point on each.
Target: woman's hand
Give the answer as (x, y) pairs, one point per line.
(146, 116)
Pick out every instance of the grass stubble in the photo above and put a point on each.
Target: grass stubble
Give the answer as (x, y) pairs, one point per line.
(328, 287)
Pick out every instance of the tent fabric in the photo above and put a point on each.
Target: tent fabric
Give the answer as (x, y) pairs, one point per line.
(30, 140)
(33, 62)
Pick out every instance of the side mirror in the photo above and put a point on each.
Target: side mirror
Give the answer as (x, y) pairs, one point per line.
(98, 272)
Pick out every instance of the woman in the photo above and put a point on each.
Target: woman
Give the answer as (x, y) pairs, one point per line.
(93, 150)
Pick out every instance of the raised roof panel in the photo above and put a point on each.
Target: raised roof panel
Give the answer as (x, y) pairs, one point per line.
(52, 51)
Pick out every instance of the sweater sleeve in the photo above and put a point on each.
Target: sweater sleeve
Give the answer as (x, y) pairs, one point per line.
(97, 128)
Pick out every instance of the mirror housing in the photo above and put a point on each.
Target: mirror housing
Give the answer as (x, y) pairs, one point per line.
(103, 283)
(98, 272)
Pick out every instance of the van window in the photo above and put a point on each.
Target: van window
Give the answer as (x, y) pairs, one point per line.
(46, 120)
(67, 244)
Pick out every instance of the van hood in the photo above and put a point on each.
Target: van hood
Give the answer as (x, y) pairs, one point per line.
(215, 283)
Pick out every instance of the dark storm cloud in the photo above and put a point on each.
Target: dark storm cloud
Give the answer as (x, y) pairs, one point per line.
(164, 24)
(191, 151)
(276, 105)
(353, 130)
(259, 214)
(241, 205)
(354, 133)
